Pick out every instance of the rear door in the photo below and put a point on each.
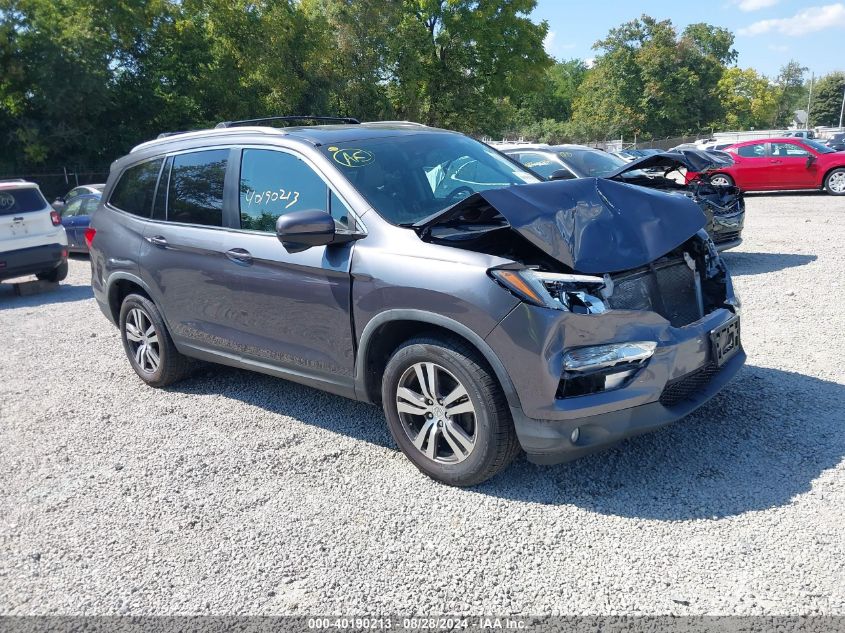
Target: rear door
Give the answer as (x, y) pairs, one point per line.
(70, 217)
(792, 169)
(182, 255)
(25, 219)
(753, 170)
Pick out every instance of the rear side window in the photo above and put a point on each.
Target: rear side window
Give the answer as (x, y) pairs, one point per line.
(135, 190)
(758, 150)
(195, 194)
(21, 201)
(274, 183)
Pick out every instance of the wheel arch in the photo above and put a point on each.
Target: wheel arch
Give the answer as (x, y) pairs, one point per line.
(121, 284)
(828, 172)
(388, 330)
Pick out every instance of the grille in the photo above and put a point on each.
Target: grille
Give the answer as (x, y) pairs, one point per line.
(687, 386)
(726, 236)
(667, 290)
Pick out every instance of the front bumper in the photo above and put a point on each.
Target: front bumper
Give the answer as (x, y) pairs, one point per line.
(29, 261)
(531, 342)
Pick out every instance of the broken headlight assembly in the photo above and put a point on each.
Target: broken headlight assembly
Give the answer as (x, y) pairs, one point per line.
(582, 294)
(589, 370)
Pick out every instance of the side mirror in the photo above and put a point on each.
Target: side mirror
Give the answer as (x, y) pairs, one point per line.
(810, 160)
(300, 230)
(561, 174)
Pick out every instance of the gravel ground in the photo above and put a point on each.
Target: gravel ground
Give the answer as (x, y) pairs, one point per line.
(238, 493)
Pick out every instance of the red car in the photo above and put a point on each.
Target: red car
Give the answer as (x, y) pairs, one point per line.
(783, 163)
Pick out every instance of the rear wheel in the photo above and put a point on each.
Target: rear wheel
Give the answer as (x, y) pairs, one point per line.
(721, 180)
(148, 345)
(447, 413)
(57, 274)
(834, 184)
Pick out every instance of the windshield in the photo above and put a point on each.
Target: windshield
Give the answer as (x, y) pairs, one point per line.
(591, 163)
(819, 147)
(410, 177)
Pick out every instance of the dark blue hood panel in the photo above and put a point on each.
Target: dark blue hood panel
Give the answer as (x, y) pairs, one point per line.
(590, 225)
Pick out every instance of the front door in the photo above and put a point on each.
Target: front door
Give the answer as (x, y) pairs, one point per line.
(792, 168)
(291, 310)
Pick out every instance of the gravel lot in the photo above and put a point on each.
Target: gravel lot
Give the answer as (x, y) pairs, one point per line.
(238, 493)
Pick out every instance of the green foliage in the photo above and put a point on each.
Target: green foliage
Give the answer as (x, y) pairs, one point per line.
(828, 94)
(748, 99)
(648, 80)
(790, 93)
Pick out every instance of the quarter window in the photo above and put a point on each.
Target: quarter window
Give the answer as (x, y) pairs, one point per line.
(195, 194)
(136, 187)
(275, 183)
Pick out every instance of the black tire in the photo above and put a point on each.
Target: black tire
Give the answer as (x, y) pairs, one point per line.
(722, 180)
(495, 441)
(172, 366)
(57, 274)
(836, 189)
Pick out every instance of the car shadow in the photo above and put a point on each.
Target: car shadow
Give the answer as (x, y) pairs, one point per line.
(756, 445)
(741, 263)
(60, 293)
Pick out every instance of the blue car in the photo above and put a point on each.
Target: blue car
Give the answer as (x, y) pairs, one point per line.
(76, 217)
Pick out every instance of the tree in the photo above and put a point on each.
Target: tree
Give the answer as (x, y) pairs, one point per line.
(648, 80)
(748, 98)
(791, 93)
(553, 97)
(827, 99)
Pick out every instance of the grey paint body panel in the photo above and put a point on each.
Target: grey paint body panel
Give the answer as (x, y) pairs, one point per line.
(313, 317)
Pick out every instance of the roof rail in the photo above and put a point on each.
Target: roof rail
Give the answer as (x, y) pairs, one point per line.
(166, 134)
(341, 119)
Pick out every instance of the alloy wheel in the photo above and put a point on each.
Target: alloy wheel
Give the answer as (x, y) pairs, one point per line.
(436, 413)
(143, 340)
(719, 181)
(836, 182)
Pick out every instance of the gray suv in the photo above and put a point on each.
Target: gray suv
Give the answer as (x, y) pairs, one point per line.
(487, 312)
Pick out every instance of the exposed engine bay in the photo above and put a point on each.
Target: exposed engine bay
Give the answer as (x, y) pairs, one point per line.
(584, 254)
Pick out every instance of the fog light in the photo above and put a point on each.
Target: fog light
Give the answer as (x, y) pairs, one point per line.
(575, 435)
(587, 359)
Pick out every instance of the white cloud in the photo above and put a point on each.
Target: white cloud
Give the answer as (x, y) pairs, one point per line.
(809, 20)
(549, 41)
(754, 5)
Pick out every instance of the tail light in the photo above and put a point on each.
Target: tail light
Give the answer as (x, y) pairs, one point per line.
(55, 218)
(89, 236)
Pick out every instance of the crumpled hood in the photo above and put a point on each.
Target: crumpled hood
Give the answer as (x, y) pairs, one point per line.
(590, 225)
(692, 159)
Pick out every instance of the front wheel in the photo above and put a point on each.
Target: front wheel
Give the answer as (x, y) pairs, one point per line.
(834, 184)
(721, 180)
(446, 411)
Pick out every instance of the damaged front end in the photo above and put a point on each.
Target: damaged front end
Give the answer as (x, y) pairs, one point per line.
(627, 321)
(724, 206)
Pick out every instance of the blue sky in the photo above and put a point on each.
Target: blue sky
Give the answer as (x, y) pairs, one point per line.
(768, 32)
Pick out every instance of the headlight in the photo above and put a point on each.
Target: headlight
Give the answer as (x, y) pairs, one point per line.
(604, 356)
(573, 293)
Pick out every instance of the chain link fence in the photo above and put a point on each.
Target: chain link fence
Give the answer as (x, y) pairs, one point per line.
(57, 181)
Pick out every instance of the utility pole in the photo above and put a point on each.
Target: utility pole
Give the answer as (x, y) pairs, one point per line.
(842, 109)
(810, 98)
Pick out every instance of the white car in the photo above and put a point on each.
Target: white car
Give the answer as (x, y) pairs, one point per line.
(32, 238)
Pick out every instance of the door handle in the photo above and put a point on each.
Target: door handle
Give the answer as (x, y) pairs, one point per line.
(157, 240)
(240, 256)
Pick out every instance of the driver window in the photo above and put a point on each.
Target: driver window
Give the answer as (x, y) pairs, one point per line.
(274, 183)
(788, 150)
